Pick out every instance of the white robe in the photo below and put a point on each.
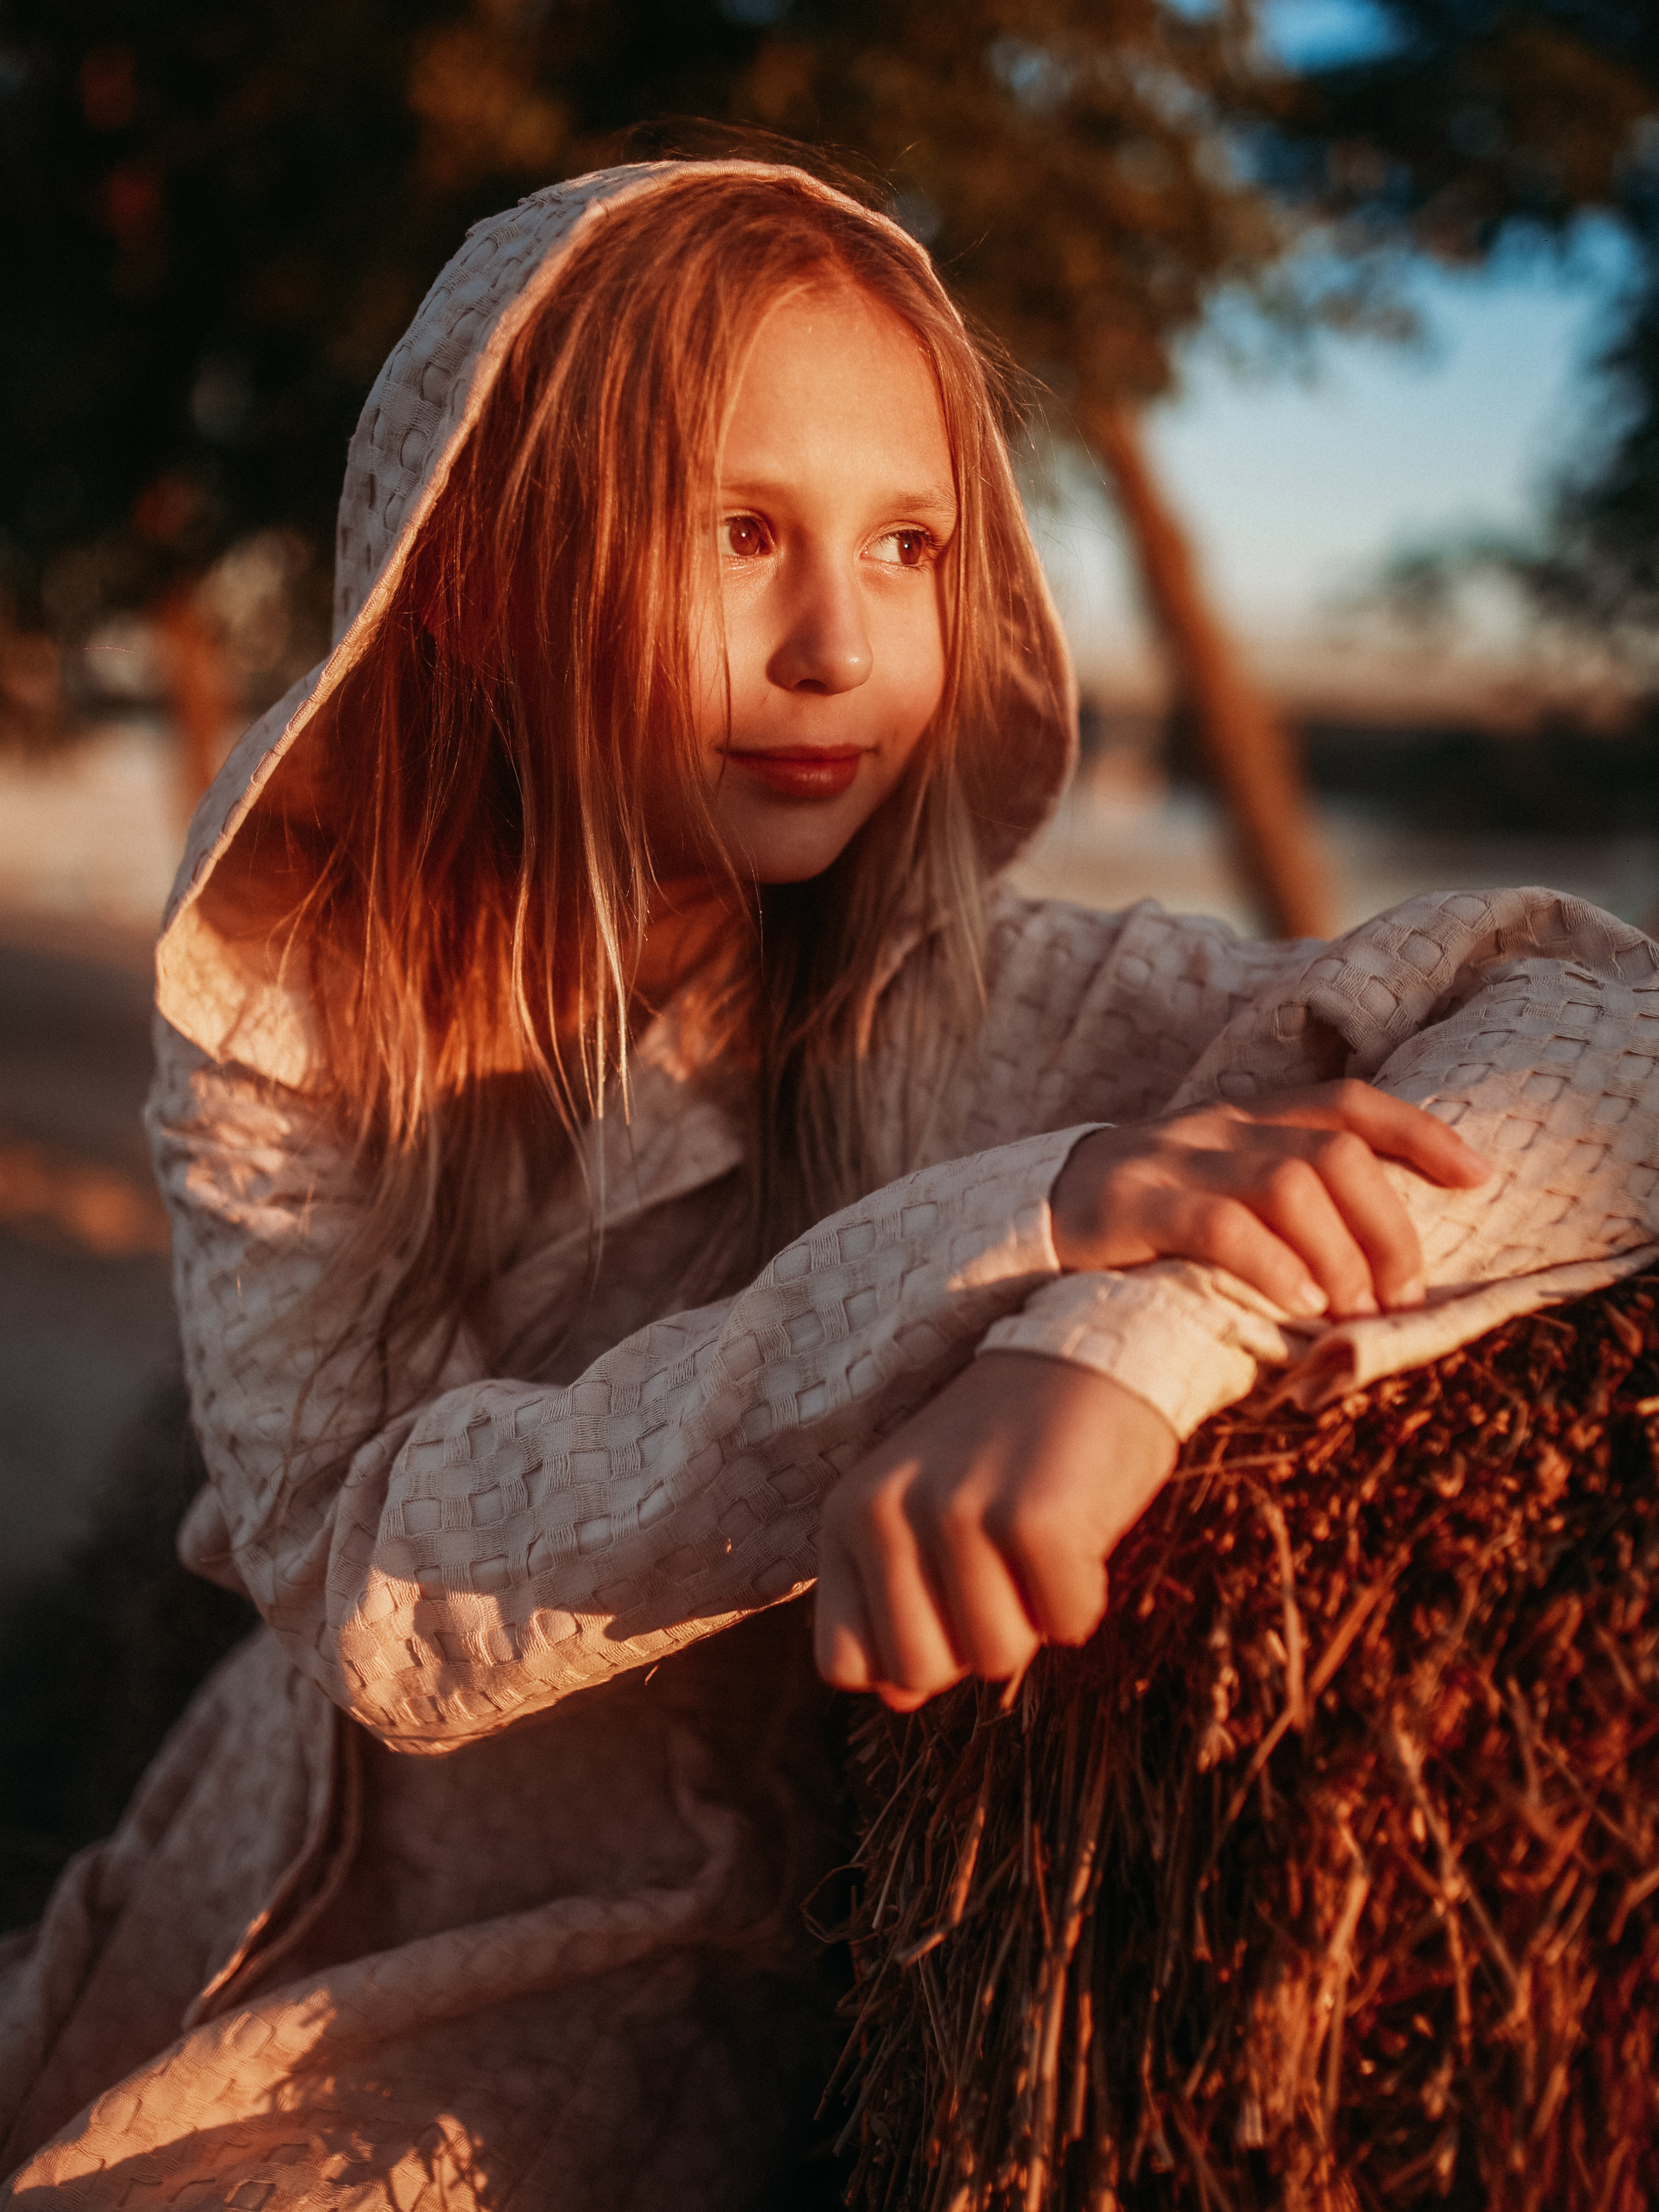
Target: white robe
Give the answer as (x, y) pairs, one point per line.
(557, 1959)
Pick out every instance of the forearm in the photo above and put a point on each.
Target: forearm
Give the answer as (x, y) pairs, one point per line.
(505, 1544)
(1541, 1069)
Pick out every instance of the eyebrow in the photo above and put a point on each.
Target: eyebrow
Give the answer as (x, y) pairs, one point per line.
(938, 499)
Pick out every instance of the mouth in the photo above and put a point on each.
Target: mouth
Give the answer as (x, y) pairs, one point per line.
(810, 772)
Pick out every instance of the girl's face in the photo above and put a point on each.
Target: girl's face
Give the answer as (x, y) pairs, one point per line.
(835, 506)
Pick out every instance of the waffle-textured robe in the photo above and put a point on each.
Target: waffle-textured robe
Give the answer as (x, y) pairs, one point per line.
(475, 1877)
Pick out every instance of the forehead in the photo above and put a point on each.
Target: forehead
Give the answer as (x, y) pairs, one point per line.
(835, 377)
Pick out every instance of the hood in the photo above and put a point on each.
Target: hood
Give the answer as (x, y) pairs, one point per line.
(229, 999)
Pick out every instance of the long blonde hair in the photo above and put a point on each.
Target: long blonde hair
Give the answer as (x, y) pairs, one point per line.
(477, 897)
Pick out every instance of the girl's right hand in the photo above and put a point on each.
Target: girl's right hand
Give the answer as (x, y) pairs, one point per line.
(1289, 1195)
(981, 1528)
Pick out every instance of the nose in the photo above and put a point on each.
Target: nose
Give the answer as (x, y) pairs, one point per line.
(825, 647)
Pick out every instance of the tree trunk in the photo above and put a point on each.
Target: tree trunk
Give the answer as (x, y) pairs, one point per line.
(199, 692)
(1248, 748)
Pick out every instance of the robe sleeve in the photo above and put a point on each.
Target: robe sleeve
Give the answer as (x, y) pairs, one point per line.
(501, 1544)
(1528, 1021)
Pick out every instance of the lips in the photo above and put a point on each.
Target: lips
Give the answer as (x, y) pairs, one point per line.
(815, 772)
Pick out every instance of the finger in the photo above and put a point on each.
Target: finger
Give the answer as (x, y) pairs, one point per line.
(1376, 1217)
(906, 1701)
(1059, 1538)
(990, 1628)
(1294, 1201)
(1391, 1126)
(910, 1644)
(1226, 1232)
(841, 1646)
(1410, 1133)
(1061, 1574)
(1312, 1241)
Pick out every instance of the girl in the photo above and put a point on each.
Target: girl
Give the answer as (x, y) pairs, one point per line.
(628, 1161)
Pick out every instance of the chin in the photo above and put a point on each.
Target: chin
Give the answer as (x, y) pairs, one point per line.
(792, 853)
(801, 869)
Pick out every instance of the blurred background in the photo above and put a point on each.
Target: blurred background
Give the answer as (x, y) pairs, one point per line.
(1341, 319)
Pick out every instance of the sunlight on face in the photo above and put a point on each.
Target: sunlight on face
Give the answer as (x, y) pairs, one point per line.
(835, 506)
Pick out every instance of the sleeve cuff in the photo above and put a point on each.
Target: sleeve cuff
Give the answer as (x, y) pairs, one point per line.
(1190, 1339)
(1160, 1330)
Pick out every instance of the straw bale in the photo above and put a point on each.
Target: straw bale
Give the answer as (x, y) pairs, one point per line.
(1327, 1875)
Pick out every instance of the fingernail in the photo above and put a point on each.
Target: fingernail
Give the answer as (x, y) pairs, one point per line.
(1363, 1307)
(1308, 1299)
(1409, 1294)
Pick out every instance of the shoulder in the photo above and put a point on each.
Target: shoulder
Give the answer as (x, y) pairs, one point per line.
(1058, 954)
(227, 1138)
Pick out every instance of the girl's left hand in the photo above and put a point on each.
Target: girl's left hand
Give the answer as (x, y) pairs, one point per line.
(1289, 1194)
(981, 1528)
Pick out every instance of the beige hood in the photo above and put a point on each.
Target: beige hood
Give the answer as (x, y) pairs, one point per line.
(423, 406)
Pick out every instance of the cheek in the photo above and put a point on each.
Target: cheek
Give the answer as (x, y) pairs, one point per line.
(706, 664)
(915, 653)
(728, 667)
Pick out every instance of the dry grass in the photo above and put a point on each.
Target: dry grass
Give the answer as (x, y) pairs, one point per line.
(1327, 1875)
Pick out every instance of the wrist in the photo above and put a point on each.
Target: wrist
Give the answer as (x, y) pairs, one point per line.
(1084, 1390)
(1078, 1202)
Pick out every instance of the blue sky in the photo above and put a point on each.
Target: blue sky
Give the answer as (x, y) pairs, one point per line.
(1299, 490)
(1311, 33)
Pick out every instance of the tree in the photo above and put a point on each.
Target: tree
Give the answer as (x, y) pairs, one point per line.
(1481, 122)
(211, 246)
(222, 220)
